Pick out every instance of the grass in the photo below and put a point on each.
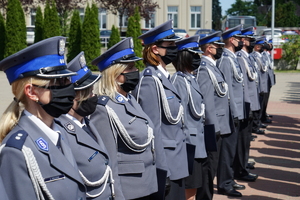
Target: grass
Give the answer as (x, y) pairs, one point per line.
(287, 71)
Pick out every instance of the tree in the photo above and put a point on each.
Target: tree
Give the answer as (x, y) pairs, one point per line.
(291, 51)
(74, 46)
(52, 27)
(39, 25)
(15, 28)
(2, 37)
(242, 8)
(90, 42)
(114, 37)
(134, 31)
(285, 15)
(216, 15)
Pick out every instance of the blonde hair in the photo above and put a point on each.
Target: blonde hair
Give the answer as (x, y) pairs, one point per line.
(107, 85)
(12, 114)
(82, 95)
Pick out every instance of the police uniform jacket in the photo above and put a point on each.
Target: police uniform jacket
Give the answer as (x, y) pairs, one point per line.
(173, 136)
(260, 63)
(136, 170)
(216, 108)
(2, 190)
(244, 61)
(91, 157)
(269, 62)
(236, 89)
(193, 124)
(58, 170)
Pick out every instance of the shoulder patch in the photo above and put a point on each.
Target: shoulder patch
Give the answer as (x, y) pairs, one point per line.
(239, 54)
(69, 127)
(203, 63)
(42, 144)
(180, 73)
(225, 54)
(147, 72)
(102, 100)
(17, 139)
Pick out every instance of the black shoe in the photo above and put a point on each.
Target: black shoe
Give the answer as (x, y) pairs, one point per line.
(263, 126)
(232, 192)
(260, 132)
(267, 121)
(238, 186)
(254, 136)
(251, 162)
(271, 116)
(250, 177)
(250, 166)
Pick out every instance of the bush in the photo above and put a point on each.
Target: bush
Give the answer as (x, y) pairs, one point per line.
(52, 20)
(114, 37)
(291, 51)
(2, 36)
(39, 26)
(74, 45)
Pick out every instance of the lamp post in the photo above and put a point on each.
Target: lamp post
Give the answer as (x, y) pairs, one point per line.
(272, 25)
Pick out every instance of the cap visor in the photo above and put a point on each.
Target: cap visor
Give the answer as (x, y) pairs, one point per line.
(174, 38)
(131, 59)
(195, 50)
(57, 74)
(220, 43)
(90, 81)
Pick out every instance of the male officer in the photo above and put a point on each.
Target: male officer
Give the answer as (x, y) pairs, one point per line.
(250, 91)
(215, 97)
(234, 78)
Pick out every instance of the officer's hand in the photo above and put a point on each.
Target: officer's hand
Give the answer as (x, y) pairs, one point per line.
(167, 186)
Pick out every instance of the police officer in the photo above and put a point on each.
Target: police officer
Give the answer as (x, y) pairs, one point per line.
(215, 96)
(251, 96)
(125, 129)
(187, 60)
(35, 162)
(234, 78)
(161, 102)
(85, 142)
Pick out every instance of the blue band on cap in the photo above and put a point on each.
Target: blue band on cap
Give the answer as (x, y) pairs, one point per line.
(188, 45)
(248, 33)
(225, 36)
(80, 74)
(13, 73)
(209, 40)
(107, 62)
(260, 42)
(154, 38)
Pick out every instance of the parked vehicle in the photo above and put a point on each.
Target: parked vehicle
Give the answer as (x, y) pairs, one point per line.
(204, 32)
(232, 21)
(30, 35)
(277, 40)
(285, 35)
(181, 33)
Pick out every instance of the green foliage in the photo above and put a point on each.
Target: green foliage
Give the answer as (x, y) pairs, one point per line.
(291, 51)
(285, 15)
(15, 28)
(51, 21)
(39, 26)
(216, 15)
(90, 42)
(74, 45)
(114, 37)
(134, 31)
(2, 37)
(243, 8)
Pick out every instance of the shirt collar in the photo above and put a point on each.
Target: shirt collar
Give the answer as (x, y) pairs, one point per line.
(245, 52)
(230, 52)
(162, 70)
(76, 120)
(210, 59)
(52, 133)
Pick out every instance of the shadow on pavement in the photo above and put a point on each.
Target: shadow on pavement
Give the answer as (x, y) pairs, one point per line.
(289, 163)
(278, 152)
(283, 136)
(285, 121)
(278, 175)
(293, 93)
(282, 144)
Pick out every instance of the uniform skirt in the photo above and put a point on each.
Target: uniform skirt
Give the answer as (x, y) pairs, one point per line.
(194, 180)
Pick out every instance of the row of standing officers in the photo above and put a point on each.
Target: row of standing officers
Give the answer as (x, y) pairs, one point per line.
(134, 135)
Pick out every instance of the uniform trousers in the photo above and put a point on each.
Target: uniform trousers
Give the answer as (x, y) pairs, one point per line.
(177, 190)
(264, 109)
(210, 166)
(225, 172)
(243, 148)
(263, 98)
(256, 120)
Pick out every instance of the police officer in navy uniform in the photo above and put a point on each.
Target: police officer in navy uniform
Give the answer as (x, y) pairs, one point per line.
(2, 190)
(126, 130)
(262, 89)
(36, 161)
(215, 96)
(161, 102)
(84, 140)
(187, 60)
(234, 78)
(251, 95)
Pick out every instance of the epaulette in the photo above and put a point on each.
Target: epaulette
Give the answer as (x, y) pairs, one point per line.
(147, 72)
(225, 54)
(239, 54)
(17, 139)
(102, 100)
(180, 73)
(69, 127)
(203, 63)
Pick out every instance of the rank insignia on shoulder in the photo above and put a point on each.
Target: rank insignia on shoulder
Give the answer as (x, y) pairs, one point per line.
(180, 73)
(17, 139)
(42, 144)
(147, 72)
(203, 63)
(120, 99)
(225, 54)
(69, 127)
(102, 100)
(239, 54)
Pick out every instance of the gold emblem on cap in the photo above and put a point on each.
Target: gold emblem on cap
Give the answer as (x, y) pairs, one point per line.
(62, 45)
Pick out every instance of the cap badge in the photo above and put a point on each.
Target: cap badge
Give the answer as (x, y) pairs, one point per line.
(131, 43)
(62, 45)
(82, 61)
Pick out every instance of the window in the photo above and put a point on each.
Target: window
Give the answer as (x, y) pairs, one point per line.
(195, 16)
(173, 14)
(151, 22)
(102, 18)
(32, 16)
(81, 13)
(123, 20)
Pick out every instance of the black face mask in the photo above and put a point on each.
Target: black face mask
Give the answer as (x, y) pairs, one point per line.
(171, 54)
(196, 61)
(87, 107)
(239, 47)
(61, 100)
(261, 49)
(250, 47)
(131, 80)
(219, 53)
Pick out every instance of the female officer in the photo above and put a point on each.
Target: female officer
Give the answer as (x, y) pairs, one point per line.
(35, 162)
(86, 144)
(187, 60)
(161, 102)
(125, 129)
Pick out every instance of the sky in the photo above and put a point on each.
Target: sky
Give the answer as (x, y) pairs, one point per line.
(225, 5)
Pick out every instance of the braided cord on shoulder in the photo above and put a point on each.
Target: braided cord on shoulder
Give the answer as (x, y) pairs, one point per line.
(218, 90)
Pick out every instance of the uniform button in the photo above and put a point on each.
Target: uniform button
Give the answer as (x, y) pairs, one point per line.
(146, 122)
(106, 162)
